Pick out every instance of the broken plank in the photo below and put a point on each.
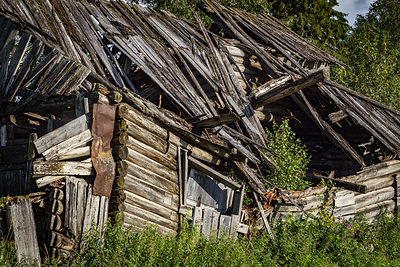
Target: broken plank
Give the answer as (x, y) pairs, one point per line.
(68, 145)
(46, 180)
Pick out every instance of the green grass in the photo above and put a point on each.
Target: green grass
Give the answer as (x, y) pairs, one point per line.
(297, 243)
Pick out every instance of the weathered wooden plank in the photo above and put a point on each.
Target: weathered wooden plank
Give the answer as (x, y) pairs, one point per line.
(22, 225)
(238, 201)
(270, 85)
(80, 206)
(87, 221)
(207, 222)
(62, 168)
(214, 223)
(63, 133)
(197, 217)
(210, 192)
(234, 225)
(264, 217)
(285, 90)
(375, 171)
(212, 173)
(224, 225)
(139, 223)
(68, 145)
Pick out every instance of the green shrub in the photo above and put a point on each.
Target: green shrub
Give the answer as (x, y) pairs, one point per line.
(291, 159)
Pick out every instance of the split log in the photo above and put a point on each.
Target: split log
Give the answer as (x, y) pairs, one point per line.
(378, 183)
(80, 152)
(344, 198)
(55, 206)
(55, 223)
(46, 180)
(343, 211)
(63, 133)
(62, 168)
(374, 197)
(57, 194)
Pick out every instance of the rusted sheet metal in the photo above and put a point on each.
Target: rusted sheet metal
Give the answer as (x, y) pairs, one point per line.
(103, 161)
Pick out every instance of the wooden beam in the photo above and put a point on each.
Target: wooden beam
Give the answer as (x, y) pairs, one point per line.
(339, 183)
(217, 120)
(194, 163)
(282, 91)
(271, 85)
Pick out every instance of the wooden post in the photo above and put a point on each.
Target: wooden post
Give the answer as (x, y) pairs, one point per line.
(3, 135)
(31, 156)
(264, 217)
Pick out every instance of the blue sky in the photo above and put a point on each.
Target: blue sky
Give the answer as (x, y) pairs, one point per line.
(353, 7)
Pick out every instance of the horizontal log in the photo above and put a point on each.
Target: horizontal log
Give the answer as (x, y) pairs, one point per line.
(68, 145)
(344, 198)
(286, 90)
(120, 138)
(375, 210)
(338, 183)
(130, 220)
(62, 168)
(150, 217)
(63, 133)
(145, 136)
(148, 123)
(167, 159)
(374, 197)
(150, 177)
(378, 183)
(193, 163)
(153, 193)
(343, 211)
(80, 152)
(151, 165)
(150, 206)
(375, 171)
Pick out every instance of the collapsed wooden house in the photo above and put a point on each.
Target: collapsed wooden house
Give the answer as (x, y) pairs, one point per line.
(109, 107)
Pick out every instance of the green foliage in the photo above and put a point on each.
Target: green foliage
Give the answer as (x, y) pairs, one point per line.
(316, 20)
(297, 243)
(385, 15)
(292, 158)
(372, 67)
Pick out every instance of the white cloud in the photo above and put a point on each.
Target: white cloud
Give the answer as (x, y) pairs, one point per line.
(353, 8)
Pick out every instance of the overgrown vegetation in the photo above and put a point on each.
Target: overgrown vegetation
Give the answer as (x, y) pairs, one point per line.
(297, 243)
(291, 158)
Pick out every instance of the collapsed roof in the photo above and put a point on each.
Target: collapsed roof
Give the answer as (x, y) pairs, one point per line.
(223, 82)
